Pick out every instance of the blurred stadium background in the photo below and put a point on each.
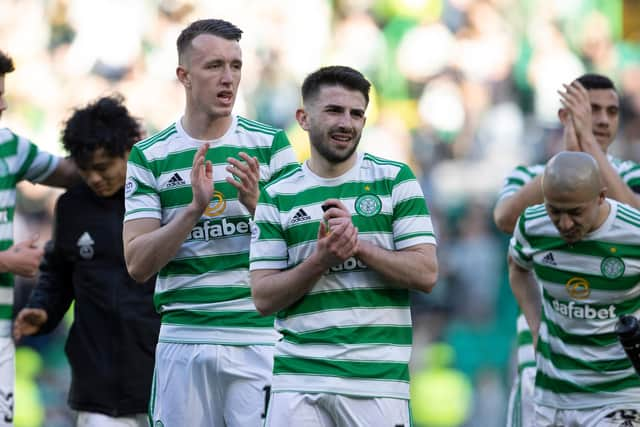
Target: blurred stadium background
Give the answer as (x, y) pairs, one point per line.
(464, 91)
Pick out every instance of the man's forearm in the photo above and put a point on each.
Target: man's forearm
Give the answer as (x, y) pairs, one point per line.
(527, 293)
(508, 210)
(274, 290)
(149, 251)
(413, 268)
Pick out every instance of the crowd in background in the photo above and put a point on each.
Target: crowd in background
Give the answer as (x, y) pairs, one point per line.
(464, 90)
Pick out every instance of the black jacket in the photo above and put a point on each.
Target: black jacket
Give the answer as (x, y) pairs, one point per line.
(111, 343)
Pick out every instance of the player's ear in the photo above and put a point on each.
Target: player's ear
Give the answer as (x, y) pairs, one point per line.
(183, 76)
(302, 118)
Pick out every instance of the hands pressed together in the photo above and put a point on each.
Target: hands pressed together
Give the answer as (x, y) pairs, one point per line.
(576, 118)
(337, 236)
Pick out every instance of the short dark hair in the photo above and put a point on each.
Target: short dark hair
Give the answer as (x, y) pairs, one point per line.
(593, 81)
(104, 123)
(6, 64)
(335, 75)
(215, 27)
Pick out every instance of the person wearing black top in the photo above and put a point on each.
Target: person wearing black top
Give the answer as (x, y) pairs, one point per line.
(111, 343)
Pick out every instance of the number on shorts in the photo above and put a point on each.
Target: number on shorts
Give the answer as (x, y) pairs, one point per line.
(267, 396)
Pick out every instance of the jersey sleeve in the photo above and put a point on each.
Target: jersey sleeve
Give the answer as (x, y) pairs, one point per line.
(268, 245)
(283, 158)
(411, 219)
(33, 164)
(517, 179)
(519, 248)
(142, 199)
(629, 172)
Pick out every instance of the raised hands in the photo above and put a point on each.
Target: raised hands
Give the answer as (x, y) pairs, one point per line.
(246, 176)
(337, 236)
(202, 179)
(576, 117)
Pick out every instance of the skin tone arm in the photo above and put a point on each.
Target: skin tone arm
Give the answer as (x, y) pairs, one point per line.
(65, 175)
(22, 258)
(507, 210)
(415, 267)
(575, 100)
(527, 293)
(147, 245)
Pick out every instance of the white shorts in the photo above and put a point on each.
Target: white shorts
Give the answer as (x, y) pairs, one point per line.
(291, 409)
(94, 419)
(210, 385)
(612, 416)
(7, 380)
(521, 410)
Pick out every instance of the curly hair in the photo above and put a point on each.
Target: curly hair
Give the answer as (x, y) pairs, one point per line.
(6, 64)
(104, 123)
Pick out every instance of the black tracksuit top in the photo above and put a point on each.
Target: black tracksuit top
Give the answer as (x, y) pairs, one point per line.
(111, 343)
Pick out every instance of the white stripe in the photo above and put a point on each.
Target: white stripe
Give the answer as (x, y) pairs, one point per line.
(582, 352)
(7, 199)
(6, 231)
(217, 335)
(526, 353)
(579, 376)
(348, 317)
(5, 328)
(336, 385)
(359, 352)
(244, 304)
(211, 279)
(586, 400)
(6, 295)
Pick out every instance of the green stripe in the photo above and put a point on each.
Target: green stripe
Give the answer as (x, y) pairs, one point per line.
(390, 335)
(315, 195)
(348, 299)
(562, 386)
(395, 371)
(595, 281)
(585, 247)
(206, 264)
(591, 340)
(6, 311)
(202, 295)
(563, 362)
(231, 319)
(158, 137)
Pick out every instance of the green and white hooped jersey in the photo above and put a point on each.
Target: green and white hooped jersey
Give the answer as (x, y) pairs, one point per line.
(351, 334)
(586, 286)
(628, 171)
(203, 294)
(19, 159)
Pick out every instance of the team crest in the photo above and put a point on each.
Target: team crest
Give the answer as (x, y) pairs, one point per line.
(578, 288)
(612, 267)
(216, 206)
(85, 245)
(368, 205)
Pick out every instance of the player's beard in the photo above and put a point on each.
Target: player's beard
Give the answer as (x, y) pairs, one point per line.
(323, 147)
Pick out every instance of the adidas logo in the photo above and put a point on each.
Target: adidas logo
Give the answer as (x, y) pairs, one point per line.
(175, 180)
(548, 259)
(300, 216)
